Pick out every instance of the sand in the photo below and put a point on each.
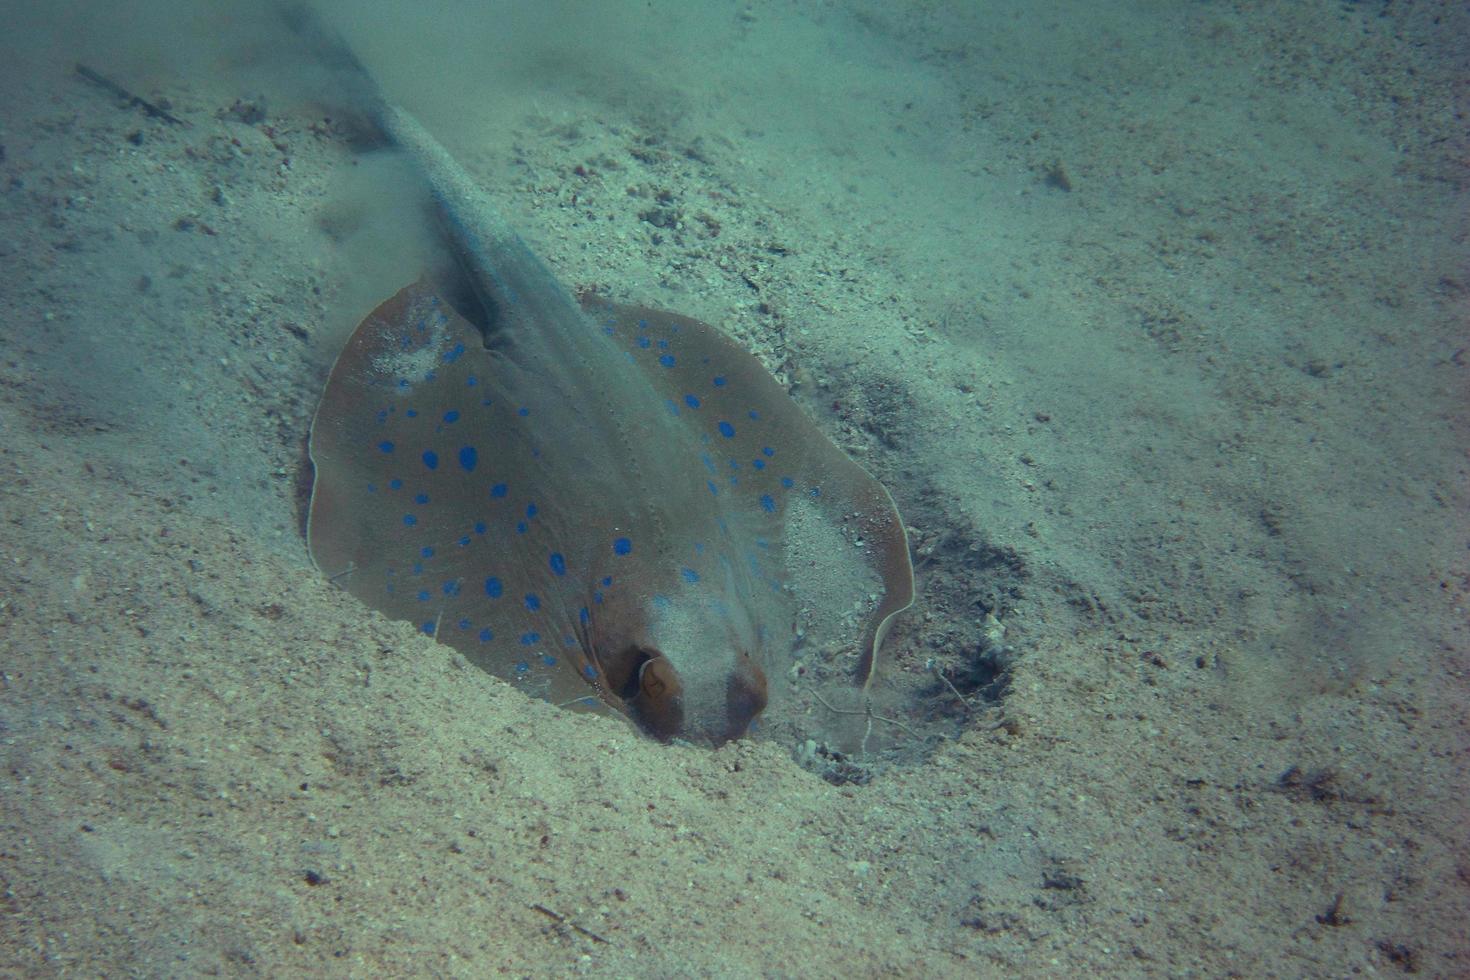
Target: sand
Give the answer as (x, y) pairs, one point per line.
(1151, 317)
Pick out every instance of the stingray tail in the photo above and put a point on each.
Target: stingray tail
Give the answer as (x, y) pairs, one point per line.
(350, 86)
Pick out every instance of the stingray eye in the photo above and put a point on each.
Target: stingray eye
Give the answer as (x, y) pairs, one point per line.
(648, 687)
(745, 698)
(659, 704)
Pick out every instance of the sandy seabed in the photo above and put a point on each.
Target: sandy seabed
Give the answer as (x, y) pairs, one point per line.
(1152, 318)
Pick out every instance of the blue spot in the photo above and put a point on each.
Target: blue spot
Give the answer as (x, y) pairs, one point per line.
(409, 520)
(463, 624)
(643, 342)
(454, 354)
(423, 597)
(428, 629)
(430, 375)
(523, 412)
(768, 503)
(583, 615)
(395, 484)
(759, 464)
(533, 601)
(530, 510)
(607, 582)
(493, 587)
(528, 639)
(418, 568)
(663, 345)
(451, 416)
(471, 381)
(622, 546)
(712, 488)
(403, 382)
(589, 672)
(690, 575)
(426, 552)
(479, 527)
(558, 563)
(691, 401)
(386, 446)
(767, 451)
(431, 459)
(521, 527)
(753, 414)
(547, 660)
(667, 360)
(412, 413)
(468, 457)
(486, 636)
(719, 381)
(499, 490)
(421, 498)
(727, 430)
(815, 491)
(787, 482)
(451, 588)
(734, 464)
(522, 667)
(372, 488)
(464, 542)
(661, 602)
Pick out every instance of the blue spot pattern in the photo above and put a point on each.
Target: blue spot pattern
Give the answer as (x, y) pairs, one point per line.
(711, 404)
(663, 337)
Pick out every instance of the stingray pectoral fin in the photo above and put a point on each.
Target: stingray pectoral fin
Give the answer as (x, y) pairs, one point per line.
(341, 529)
(781, 473)
(887, 543)
(413, 446)
(848, 498)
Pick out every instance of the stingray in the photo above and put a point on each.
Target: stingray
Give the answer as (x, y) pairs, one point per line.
(612, 507)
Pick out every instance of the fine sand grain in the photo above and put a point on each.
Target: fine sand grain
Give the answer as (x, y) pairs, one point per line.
(1151, 316)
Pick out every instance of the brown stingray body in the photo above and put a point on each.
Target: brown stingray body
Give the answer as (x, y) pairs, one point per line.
(610, 506)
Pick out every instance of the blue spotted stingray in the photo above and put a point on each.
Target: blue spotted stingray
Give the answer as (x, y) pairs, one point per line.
(611, 507)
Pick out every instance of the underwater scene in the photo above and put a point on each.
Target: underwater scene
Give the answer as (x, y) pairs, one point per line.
(734, 488)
